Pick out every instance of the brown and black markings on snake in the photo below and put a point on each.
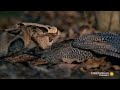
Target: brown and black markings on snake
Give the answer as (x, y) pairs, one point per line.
(25, 36)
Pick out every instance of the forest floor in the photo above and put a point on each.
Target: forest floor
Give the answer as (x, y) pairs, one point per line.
(69, 23)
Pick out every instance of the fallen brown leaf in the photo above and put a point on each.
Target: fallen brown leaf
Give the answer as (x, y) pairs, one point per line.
(20, 58)
(38, 62)
(94, 64)
(116, 67)
(67, 60)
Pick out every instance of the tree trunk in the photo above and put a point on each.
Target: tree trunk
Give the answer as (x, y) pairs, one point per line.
(108, 20)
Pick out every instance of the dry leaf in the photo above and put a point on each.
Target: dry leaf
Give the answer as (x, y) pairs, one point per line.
(116, 67)
(94, 63)
(67, 60)
(38, 62)
(20, 58)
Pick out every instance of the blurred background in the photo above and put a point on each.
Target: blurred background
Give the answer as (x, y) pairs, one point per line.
(64, 20)
(70, 23)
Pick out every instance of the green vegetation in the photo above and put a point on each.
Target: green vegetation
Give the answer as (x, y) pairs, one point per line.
(6, 14)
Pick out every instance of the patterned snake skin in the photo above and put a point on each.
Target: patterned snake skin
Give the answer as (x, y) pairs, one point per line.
(66, 50)
(79, 49)
(101, 43)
